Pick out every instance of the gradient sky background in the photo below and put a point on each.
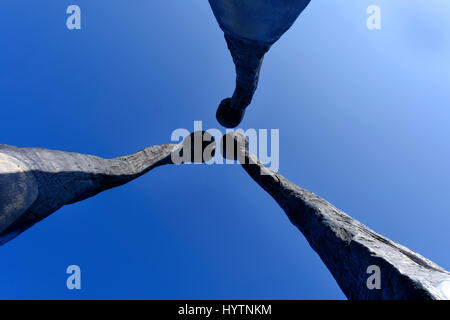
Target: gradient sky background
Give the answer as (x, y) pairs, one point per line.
(363, 119)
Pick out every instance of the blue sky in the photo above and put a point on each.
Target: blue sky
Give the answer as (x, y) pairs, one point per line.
(363, 119)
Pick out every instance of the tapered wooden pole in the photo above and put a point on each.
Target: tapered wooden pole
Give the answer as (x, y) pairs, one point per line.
(365, 264)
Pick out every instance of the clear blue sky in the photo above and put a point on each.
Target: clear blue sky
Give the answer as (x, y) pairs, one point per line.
(363, 119)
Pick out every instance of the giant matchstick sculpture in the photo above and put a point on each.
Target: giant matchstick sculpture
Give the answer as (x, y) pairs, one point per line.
(36, 182)
(250, 27)
(347, 247)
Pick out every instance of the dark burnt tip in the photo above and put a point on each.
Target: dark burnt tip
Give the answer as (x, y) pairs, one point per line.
(198, 147)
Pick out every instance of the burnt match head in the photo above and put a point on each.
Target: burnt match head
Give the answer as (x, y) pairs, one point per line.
(198, 147)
